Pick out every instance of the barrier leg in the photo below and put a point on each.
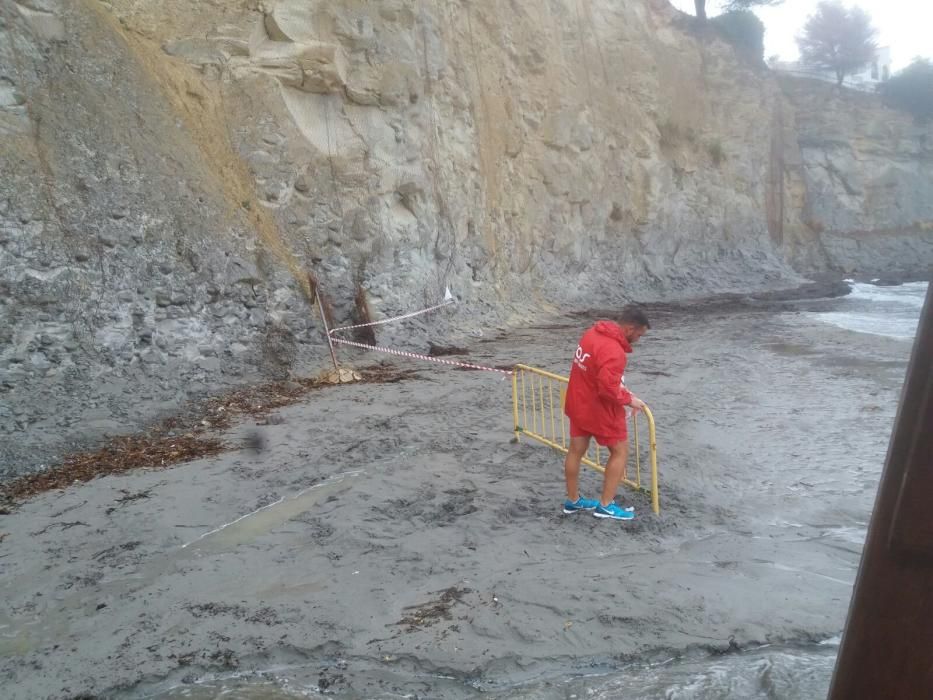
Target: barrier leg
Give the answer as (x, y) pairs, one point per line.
(515, 403)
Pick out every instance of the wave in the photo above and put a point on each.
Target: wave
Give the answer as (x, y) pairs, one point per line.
(892, 311)
(910, 294)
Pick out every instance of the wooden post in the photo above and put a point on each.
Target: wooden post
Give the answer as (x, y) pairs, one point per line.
(320, 305)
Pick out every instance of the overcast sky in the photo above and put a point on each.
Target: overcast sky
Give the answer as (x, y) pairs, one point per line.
(904, 25)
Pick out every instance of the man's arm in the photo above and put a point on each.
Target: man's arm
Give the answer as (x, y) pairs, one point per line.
(609, 384)
(609, 381)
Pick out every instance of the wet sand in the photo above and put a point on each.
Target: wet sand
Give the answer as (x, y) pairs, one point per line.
(392, 539)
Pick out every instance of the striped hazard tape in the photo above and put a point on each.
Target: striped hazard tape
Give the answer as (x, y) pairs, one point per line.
(446, 302)
(448, 299)
(418, 356)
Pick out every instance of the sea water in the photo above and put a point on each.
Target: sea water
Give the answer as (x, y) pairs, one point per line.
(778, 672)
(892, 311)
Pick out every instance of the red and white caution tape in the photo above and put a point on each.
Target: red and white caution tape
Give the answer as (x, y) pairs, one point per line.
(417, 356)
(448, 299)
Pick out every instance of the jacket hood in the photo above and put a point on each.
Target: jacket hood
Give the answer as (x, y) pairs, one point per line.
(612, 330)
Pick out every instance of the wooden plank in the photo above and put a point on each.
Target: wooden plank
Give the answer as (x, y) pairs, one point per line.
(887, 646)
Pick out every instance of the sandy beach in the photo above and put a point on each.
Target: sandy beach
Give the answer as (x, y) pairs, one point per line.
(391, 540)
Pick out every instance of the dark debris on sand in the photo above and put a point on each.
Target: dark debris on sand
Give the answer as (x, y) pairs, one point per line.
(435, 350)
(184, 437)
(427, 614)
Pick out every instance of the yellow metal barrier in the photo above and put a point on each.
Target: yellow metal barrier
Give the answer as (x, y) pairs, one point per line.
(549, 425)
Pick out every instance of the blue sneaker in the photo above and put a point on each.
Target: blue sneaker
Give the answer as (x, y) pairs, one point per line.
(615, 512)
(580, 504)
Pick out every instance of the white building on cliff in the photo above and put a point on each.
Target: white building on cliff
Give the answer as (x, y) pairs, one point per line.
(867, 79)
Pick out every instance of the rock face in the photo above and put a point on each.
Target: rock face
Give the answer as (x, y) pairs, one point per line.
(859, 182)
(174, 171)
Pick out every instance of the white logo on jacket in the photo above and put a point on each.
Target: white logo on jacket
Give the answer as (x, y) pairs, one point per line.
(579, 358)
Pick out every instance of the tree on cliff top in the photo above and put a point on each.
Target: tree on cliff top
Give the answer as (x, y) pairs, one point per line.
(732, 6)
(744, 31)
(839, 39)
(912, 89)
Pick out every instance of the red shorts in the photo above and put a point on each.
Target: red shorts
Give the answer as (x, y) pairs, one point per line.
(602, 440)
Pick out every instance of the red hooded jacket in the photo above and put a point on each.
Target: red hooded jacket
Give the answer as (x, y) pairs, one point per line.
(596, 394)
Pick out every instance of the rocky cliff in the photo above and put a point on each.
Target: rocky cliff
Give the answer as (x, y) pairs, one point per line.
(174, 174)
(858, 182)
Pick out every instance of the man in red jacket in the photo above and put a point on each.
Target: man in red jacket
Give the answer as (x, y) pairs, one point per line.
(596, 406)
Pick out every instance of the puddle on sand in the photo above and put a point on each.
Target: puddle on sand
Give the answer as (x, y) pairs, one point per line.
(263, 520)
(19, 637)
(805, 572)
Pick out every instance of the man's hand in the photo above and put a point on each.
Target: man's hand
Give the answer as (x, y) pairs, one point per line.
(637, 404)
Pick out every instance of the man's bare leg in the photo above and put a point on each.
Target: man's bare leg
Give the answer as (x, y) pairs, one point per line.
(578, 448)
(615, 470)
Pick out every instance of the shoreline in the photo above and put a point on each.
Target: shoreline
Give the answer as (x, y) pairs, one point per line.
(131, 431)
